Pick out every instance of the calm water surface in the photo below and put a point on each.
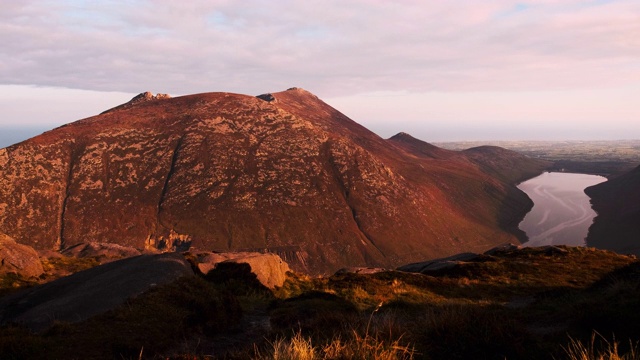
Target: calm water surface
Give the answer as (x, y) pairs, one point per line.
(561, 213)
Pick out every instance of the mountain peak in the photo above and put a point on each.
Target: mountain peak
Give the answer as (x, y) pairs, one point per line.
(419, 147)
(138, 99)
(147, 96)
(402, 136)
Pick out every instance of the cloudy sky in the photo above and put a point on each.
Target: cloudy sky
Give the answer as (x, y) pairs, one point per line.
(440, 70)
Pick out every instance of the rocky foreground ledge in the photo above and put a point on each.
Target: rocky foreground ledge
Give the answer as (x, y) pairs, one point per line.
(509, 302)
(79, 296)
(87, 293)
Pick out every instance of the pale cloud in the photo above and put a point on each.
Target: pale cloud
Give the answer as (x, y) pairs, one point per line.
(434, 52)
(333, 47)
(440, 116)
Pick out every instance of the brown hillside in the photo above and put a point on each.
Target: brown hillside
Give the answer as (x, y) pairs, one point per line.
(617, 202)
(507, 165)
(422, 148)
(283, 172)
(487, 170)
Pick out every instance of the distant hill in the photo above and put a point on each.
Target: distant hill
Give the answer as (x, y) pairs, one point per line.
(617, 202)
(282, 172)
(506, 165)
(423, 149)
(598, 157)
(492, 162)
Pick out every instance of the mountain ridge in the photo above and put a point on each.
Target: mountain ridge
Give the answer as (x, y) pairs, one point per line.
(223, 171)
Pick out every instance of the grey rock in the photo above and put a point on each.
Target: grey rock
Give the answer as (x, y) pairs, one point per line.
(503, 249)
(266, 97)
(553, 250)
(361, 270)
(438, 264)
(103, 252)
(91, 292)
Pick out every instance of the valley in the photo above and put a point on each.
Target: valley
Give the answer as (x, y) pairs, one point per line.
(312, 180)
(222, 225)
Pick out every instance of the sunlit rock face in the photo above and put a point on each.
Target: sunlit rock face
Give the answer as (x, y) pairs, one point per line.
(284, 173)
(18, 259)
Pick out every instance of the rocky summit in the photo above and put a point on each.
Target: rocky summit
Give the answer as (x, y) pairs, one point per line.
(282, 173)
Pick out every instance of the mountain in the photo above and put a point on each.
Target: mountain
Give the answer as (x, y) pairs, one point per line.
(507, 165)
(488, 171)
(423, 149)
(282, 172)
(617, 202)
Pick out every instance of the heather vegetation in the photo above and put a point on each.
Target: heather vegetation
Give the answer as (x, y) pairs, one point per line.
(532, 303)
(54, 268)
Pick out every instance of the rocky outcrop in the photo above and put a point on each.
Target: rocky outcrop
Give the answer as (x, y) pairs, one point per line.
(138, 99)
(87, 293)
(427, 267)
(270, 269)
(18, 259)
(266, 97)
(103, 252)
(360, 270)
(228, 172)
(440, 266)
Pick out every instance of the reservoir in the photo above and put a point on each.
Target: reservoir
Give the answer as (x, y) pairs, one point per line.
(561, 213)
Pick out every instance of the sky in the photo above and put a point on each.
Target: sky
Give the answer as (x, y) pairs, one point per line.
(440, 70)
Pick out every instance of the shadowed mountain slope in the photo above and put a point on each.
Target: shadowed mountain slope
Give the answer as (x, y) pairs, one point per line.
(283, 172)
(507, 165)
(617, 202)
(490, 171)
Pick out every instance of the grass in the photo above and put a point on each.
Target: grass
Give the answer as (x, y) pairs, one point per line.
(60, 266)
(355, 347)
(13, 282)
(526, 304)
(54, 268)
(157, 321)
(600, 348)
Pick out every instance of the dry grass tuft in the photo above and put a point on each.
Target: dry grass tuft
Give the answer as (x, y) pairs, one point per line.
(356, 347)
(600, 348)
(296, 348)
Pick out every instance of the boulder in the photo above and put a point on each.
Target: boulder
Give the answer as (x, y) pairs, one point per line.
(554, 250)
(103, 252)
(503, 249)
(438, 264)
(269, 268)
(266, 97)
(360, 270)
(18, 258)
(91, 292)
